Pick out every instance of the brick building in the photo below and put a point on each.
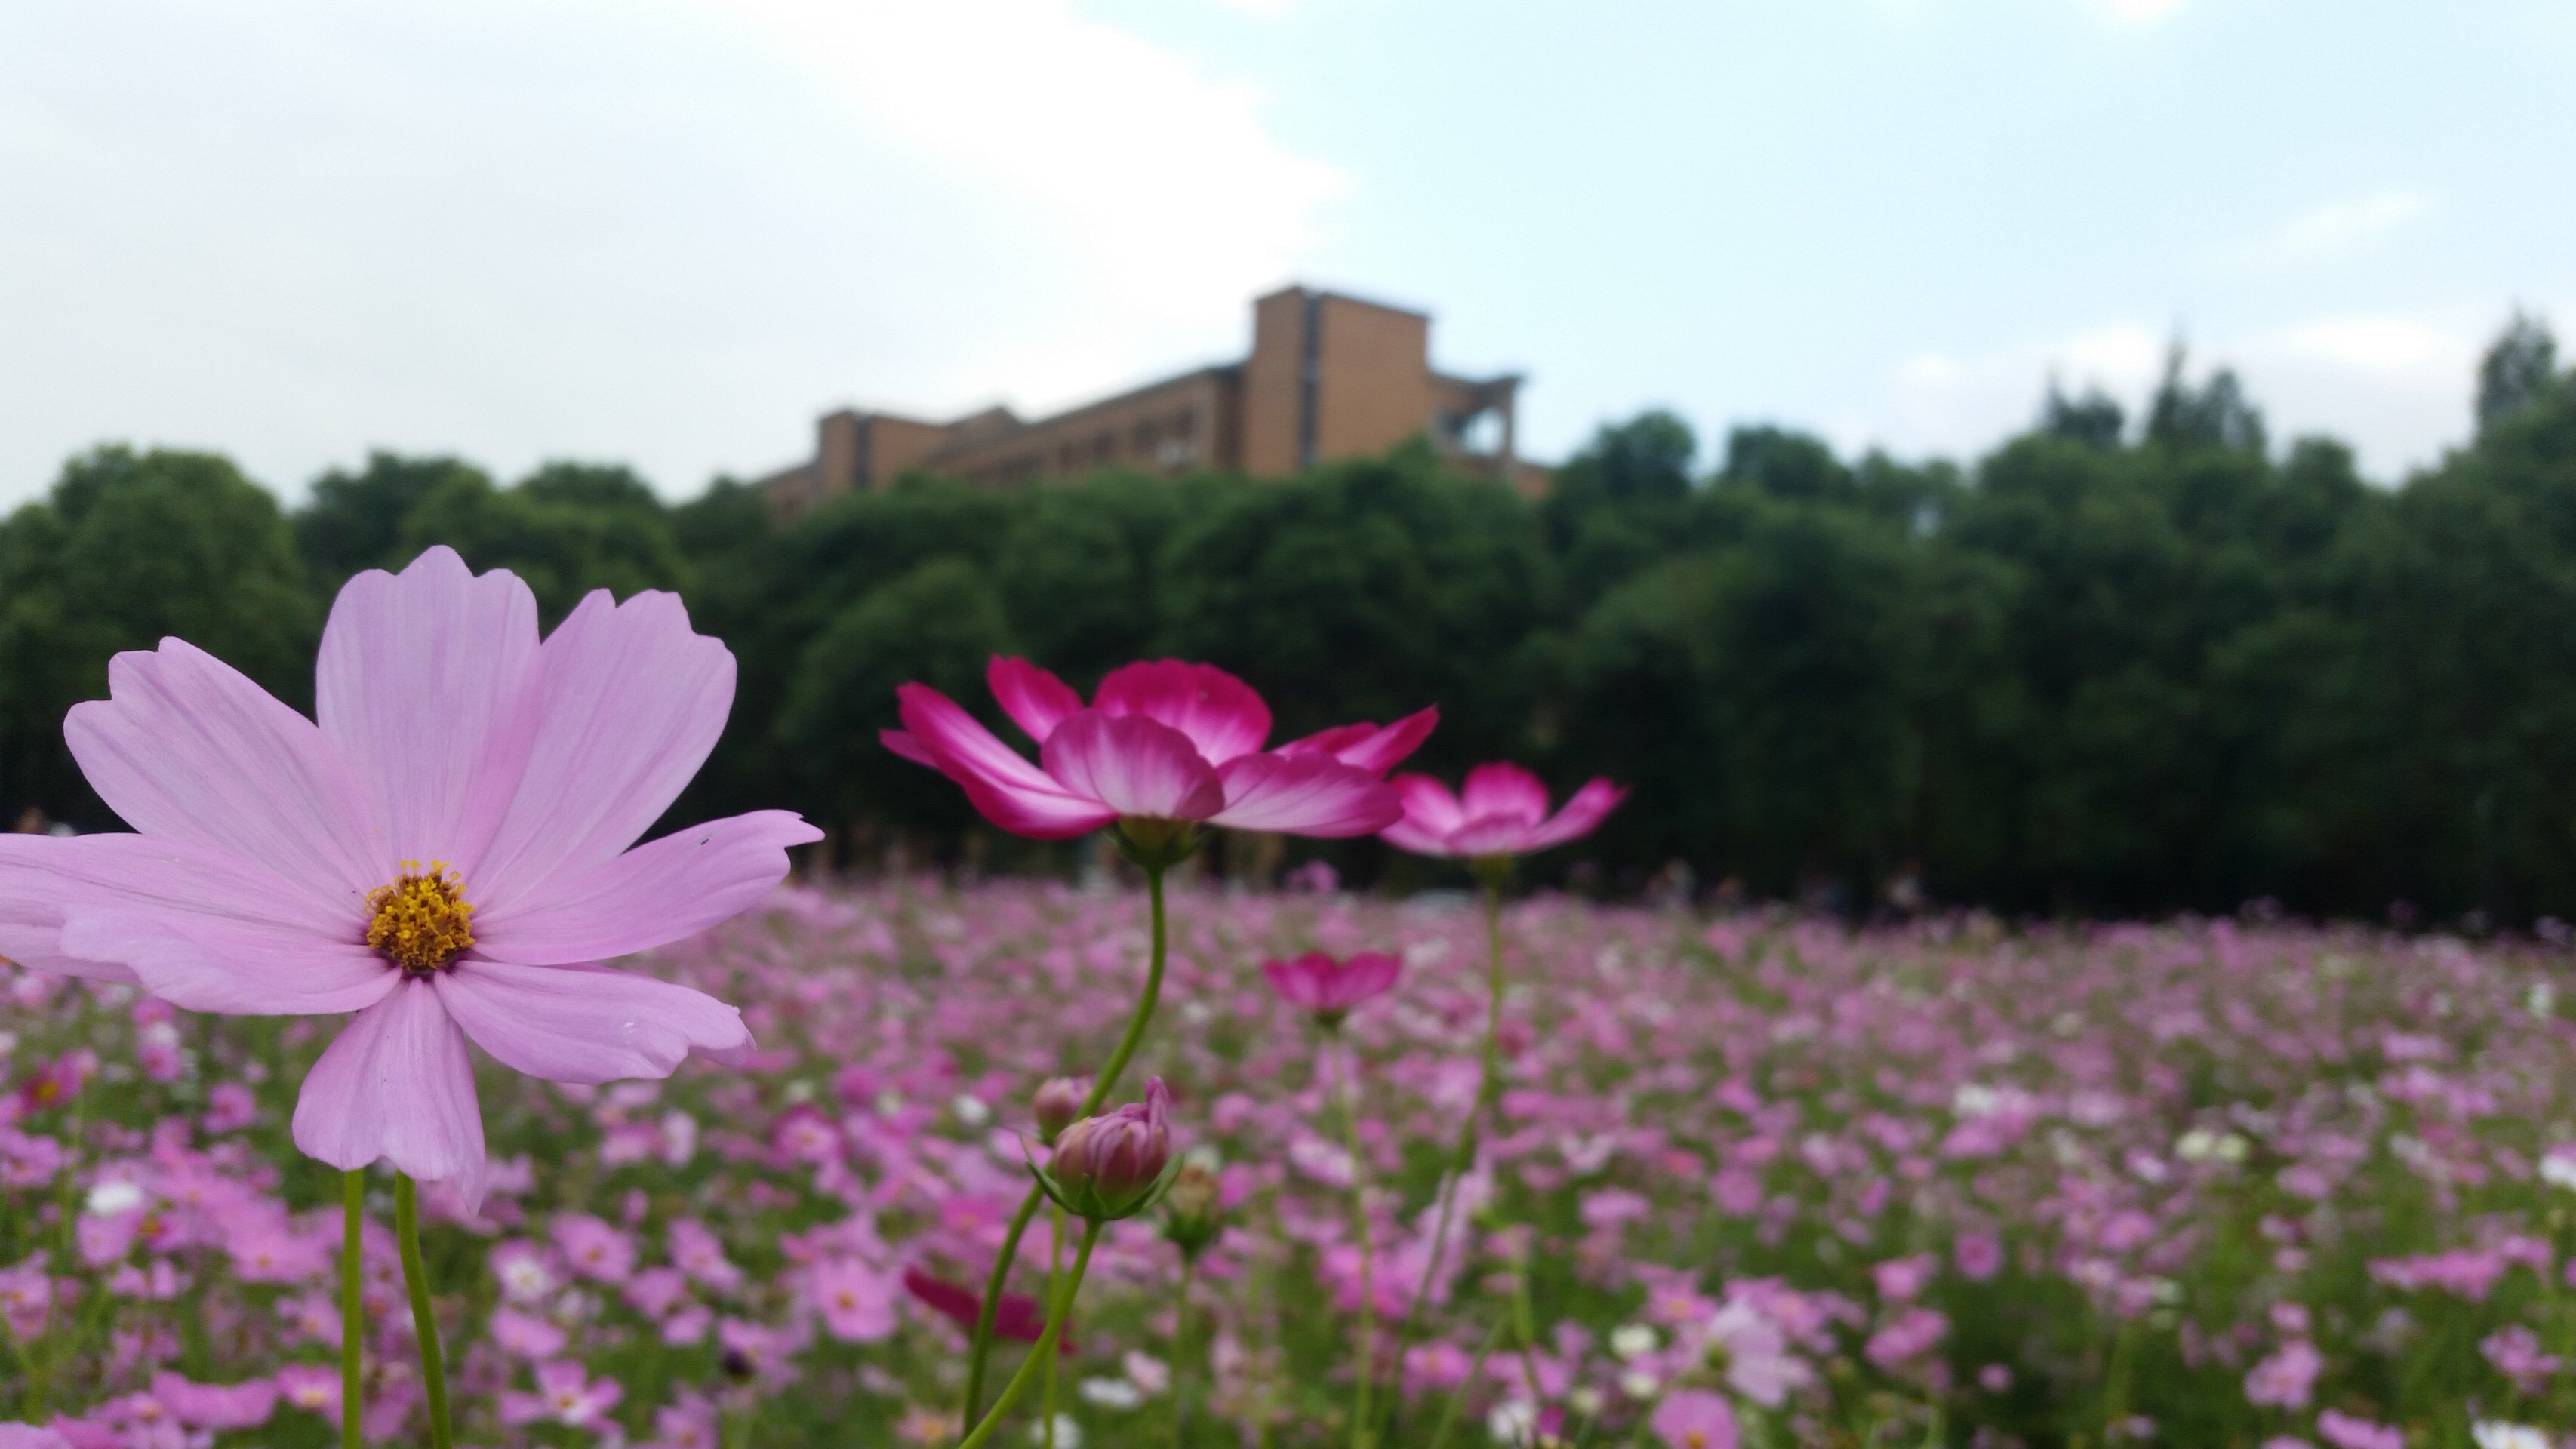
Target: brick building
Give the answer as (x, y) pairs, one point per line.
(1329, 377)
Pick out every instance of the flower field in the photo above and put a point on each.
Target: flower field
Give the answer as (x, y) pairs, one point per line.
(1753, 1181)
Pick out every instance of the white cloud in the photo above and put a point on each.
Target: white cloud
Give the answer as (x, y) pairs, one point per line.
(2334, 230)
(667, 231)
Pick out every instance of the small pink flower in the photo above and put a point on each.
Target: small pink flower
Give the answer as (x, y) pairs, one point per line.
(1911, 1335)
(656, 1291)
(566, 1394)
(687, 1423)
(698, 1252)
(443, 850)
(2285, 1380)
(1978, 1256)
(1328, 988)
(1901, 1280)
(1695, 1419)
(1501, 812)
(310, 1387)
(2344, 1431)
(1165, 741)
(524, 1335)
(856, 1301)
(593, 1249)
(245, 1405)
(229, 1108)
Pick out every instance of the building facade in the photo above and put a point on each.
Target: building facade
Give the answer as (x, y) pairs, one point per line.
(1329, 377)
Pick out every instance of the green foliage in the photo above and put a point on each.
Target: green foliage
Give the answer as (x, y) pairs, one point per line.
(2109, 669)
(128, 548)
(936, 625)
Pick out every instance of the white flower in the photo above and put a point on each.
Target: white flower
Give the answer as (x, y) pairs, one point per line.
(1513, 1421)
(1640, 1385)
(110, 1198)
(1112, 1393)
(2559, 1167)
(1068, 1432)
(2496, 1434)
(1633, 1340)
(2197, 1145)
(970, 1109)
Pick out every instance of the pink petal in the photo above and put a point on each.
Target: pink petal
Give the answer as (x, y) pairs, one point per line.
(185, 747)
(1382, 750)
(585, 1024)
(1581, 815)
(1220, 713)
(658, 892)
(1503, 791)
(1305, 795)
(1132, 765)
(1430, 814)
(31, 917)
(397, 1085)
(1011, 792)
(200, 927)
(904, 745)
(1035, 700)
(426, 684)
(629, 703)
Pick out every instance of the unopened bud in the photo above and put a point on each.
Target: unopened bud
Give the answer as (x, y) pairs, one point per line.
(1191, 1217)
(1059, 1101)
(1112, 1166)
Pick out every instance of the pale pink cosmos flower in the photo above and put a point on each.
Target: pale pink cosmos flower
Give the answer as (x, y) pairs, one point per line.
(1166, 741)
(443, 850)
(1695, 1419)
(1500, 812)
(1317, 983)
(245, 1405)
(566, 1394)
(855, 1300)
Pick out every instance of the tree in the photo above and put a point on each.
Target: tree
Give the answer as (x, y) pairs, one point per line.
(2217, 414)
(2094, 419)
(2518, 367)
(355, 520)
(127, 549)
(937, 624)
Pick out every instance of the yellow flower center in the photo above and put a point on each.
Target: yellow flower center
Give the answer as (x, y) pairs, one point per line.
(422, 921)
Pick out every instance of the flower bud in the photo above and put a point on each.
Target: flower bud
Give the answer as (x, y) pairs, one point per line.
(1113, 1166)
(1059, 1101)
(1192, 1220)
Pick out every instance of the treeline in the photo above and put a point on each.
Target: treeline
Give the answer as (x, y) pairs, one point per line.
(2114, 668)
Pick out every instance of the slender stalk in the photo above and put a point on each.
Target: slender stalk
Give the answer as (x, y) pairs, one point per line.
(353, 1308)
(424, 1322)
(1180, 1353)
(1055, 1275)
(1362, 1421)
(1463, 1156)
(1457, 1396)
(1057, 1312)
(980, 1348)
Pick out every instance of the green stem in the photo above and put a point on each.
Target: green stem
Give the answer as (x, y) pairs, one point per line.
(1055, 1275)
(980, 1347)
(1057, 1312)
(1180, 1353)
(1457, 1396)
(353, 1307)
(1463, 1156)
(1362, 1422)
(424, 1322)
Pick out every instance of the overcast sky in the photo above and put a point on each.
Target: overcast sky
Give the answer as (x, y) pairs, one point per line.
(670, 232)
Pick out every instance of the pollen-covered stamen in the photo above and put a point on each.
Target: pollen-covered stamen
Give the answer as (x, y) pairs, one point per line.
(422, 921)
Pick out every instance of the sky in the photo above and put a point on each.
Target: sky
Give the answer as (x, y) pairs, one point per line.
(671, 233)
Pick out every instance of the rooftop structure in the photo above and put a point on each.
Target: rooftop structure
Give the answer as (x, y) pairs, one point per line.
(1329, 377)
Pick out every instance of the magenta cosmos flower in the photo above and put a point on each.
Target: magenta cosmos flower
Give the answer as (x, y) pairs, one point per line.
(443, 850)
(1329, 988)
(1165, 741)
(1501, 812)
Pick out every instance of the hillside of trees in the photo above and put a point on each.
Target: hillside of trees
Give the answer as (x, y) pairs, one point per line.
(2117, 667)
